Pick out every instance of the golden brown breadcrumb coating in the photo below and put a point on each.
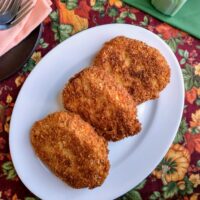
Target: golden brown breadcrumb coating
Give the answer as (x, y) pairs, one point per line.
(138, 67)
(72, 149)
(99, 100)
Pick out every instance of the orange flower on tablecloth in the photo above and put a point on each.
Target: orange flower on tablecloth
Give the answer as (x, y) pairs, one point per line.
(181, 185)
(116, 3)
(198, 92)
(195, 179)
(174, 165)
(69, 17)
(14, 197)
(92, 2)
(47, 20)
(19, 80)
(195, 196)
(8, 99)
(7, 124)
(83, 9)
(37, 56)
(197, 69)
(192, 142)
(195, 119)
(168, 31)
(6, 127)
(191, 95)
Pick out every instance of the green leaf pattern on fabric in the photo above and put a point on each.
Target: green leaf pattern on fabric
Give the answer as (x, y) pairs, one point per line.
(71, 4)
(61, 31)
(181, 131)
(8, 170)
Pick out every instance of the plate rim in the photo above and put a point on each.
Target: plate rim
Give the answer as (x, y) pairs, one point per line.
(182, 93)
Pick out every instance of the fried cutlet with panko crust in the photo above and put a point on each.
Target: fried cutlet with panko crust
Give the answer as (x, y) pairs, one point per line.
(141, 69)
(71, 149)
(99, 100)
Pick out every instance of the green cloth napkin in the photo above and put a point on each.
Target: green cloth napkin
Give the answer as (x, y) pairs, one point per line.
(187, 19)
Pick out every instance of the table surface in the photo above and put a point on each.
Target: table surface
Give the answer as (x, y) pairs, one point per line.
(177, 175)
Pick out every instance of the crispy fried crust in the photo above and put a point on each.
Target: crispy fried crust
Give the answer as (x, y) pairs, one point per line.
(138, 67)
(72, 149)
(99, 100)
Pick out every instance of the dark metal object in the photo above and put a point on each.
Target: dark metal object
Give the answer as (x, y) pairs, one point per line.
(15, 59)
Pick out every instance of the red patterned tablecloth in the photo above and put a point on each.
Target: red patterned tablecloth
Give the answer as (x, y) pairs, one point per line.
(178, 174)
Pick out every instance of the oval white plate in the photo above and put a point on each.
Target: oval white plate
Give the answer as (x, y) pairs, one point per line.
(131, 159)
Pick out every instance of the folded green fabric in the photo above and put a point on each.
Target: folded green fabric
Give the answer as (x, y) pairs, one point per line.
(168, 7)
(187, 19)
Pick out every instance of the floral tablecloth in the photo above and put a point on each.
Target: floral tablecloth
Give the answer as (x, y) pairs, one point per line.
(178, 174)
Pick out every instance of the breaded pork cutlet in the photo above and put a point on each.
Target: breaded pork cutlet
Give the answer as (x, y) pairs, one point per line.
(99, 100)
(141, 69)
(72, 149)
